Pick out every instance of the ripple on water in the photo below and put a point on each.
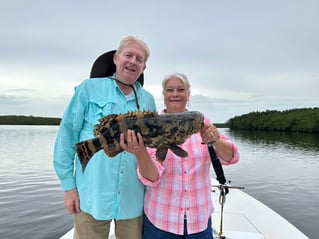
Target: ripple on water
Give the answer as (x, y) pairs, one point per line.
(32, 206)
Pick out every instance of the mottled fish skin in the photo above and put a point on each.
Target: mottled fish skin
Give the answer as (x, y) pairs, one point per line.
(163, 132)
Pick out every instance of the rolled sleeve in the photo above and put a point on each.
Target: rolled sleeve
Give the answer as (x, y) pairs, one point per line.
(160, 170)
(235, 157)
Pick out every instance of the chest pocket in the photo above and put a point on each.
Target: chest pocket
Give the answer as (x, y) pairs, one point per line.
(97, 109)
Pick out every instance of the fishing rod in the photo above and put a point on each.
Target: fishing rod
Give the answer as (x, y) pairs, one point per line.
(223, 186)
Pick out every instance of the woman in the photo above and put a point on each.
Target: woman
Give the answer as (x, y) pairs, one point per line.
(177, 202)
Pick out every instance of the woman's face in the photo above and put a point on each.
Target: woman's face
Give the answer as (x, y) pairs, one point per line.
(176, 95)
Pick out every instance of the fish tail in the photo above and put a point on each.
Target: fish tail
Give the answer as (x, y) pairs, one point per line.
(86, 149)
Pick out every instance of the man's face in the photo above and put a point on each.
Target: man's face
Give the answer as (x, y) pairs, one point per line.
(130, 63)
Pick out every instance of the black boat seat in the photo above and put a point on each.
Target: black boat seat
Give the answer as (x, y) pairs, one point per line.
(104, 66)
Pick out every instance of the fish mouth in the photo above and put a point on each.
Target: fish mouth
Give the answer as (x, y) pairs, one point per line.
(198, 122)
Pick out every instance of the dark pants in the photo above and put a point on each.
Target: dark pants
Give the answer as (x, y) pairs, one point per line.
(152, 232)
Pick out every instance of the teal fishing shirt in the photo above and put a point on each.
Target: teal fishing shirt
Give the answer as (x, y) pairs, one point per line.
(109, 187)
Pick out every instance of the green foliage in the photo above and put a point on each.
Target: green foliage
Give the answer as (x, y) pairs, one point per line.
(221, 125)
(28, 120)
(294, 120)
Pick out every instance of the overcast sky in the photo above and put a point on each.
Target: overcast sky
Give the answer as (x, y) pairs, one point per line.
(239, 55)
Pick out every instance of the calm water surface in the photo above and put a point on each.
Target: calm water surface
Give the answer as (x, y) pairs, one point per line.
(281, 170)
(31, 199)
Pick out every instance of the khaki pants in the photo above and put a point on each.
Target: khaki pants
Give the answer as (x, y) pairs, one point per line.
(86, 227)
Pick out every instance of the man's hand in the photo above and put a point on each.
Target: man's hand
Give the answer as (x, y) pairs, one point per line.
(72, 201)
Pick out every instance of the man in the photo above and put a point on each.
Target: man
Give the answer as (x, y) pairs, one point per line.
(109, 188)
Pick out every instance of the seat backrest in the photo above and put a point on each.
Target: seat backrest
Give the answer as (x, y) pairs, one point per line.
(104, 66)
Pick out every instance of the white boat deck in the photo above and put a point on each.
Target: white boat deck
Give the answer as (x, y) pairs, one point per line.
(244, 218)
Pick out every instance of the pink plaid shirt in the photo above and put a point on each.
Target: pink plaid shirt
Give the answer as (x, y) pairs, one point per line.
(183, 188)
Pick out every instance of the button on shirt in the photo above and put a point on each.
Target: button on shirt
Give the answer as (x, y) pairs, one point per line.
(109, 187)
(183, 188)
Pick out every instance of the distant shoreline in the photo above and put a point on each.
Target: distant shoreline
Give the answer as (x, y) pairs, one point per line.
(28, 120)
(304, 120)
(294, 120)
(37, 120)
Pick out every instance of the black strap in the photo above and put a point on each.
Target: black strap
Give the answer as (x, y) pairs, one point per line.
(217, 166)
(133, 88)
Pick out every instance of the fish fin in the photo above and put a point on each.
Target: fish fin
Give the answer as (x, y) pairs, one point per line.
(161, 153)
(86, 149)
(112, 152)
(140, 114)
(178, 150)
(104, 122)
(108, 120)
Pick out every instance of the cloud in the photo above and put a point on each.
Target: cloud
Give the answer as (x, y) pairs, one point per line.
(12, 100)
(239, 56)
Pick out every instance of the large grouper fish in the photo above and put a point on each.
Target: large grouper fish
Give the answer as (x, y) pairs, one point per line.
(160, 131)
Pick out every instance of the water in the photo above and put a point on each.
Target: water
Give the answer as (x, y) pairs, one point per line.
(281, 170)
(31, 200)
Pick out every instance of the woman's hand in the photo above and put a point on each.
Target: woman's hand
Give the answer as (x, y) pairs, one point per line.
(135, 145)
(134, 142)
(209, 133)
